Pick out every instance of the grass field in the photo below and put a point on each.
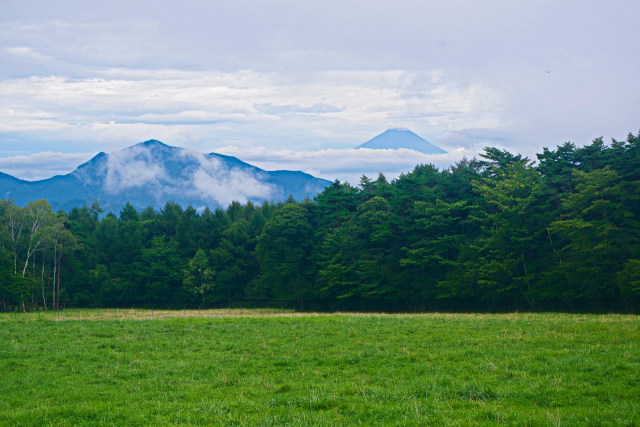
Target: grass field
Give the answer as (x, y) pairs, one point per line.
(272, 368)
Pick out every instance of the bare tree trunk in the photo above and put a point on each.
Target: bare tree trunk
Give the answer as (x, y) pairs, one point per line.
(30, 252)
(553, 247)
(55, 271)
(15, 216)
(49, 281)
(58, 284)
(37, 216)
(44, 295)
(295, 290)
(34, 291)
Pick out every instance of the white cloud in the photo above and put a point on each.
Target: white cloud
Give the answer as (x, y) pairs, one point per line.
(27, 52)
(346, 165)
(230, 186)
(296, 75)
(42, 165)
(135, 167)
(154, 171)
(124, 106)
(215, 182)
(16, 118)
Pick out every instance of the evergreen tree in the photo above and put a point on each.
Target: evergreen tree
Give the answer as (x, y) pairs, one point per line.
(600, 233)
(283, 250)
(514, 219)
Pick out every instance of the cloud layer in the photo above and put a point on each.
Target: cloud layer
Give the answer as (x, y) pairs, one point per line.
(85, 77)
(345, 164)
(42, 165)
(241, 108)
(140, 167)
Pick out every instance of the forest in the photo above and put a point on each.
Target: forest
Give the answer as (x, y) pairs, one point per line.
(496, 233)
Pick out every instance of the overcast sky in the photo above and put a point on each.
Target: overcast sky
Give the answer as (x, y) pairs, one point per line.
(298, 84)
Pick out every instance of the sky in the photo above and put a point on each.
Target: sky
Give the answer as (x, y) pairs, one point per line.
(285, 84)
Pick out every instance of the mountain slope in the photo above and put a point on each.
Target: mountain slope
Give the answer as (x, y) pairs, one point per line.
(401, 138)
(152, 173)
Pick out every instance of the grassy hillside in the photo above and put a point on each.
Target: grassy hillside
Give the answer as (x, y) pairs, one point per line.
(276, 369)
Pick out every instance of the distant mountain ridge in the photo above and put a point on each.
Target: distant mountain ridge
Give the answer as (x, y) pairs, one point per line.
(151, 173)
(396, 138)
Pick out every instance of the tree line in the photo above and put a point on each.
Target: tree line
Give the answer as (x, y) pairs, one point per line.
(499, 232)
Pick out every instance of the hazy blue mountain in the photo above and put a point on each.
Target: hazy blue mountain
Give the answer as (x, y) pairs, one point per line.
(152, 173)
(401, 138)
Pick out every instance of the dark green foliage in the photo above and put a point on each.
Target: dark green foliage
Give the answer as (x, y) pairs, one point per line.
(283, 249)
(498, 233)
(335, 205)
(512, 248)
(601, 233)
(361, 257)
(159, 273)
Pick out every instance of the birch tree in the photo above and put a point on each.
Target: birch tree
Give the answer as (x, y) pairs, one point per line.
(38, 222)
(15, 219)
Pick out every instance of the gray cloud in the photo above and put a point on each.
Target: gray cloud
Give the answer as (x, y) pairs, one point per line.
(242, 108)
(81, 76)
(297, 109)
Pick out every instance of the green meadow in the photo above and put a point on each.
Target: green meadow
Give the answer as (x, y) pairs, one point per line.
(94, 367)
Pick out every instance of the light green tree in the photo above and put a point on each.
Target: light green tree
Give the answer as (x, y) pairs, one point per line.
(198, 278)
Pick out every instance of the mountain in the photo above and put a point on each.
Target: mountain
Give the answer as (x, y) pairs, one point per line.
(401, 138)
(151, 173)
